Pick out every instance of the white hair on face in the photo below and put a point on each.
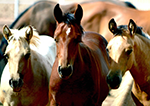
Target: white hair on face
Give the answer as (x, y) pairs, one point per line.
(68, 31)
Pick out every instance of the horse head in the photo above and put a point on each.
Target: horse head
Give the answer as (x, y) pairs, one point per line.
(67, 36)
(17, 54)
(121, 50)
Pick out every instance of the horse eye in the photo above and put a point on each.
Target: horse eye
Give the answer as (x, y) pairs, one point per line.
(56, 40)
(107, 50)
(27, 56)
(128, 51)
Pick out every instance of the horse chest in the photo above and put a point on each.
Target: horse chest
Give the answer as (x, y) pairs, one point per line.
(77, 92)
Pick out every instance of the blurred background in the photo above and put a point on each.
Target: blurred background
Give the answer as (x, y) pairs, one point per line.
(10, 9)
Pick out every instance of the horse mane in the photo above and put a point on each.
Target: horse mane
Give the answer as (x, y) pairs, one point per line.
(69, 19)
(145, 35)
(139, 31)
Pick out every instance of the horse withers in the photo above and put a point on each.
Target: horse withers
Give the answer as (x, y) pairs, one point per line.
(129, 50)
(79, 72)
(25, 78)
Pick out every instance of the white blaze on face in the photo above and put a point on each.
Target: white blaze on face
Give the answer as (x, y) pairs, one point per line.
(68, 31)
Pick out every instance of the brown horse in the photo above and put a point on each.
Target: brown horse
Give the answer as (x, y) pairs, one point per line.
(129, 50)
(79, 72)
(25, 79)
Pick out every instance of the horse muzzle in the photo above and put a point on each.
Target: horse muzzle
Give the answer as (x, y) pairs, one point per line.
(65, 72)
(16, 84)
(114, 80)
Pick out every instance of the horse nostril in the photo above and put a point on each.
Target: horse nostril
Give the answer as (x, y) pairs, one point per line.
(113, 82)
(15, 83)
(59, 70)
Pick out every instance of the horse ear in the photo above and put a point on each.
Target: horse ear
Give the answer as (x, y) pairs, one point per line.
(132, 27)
(29, 33)
(6, 32)
(78, 14)
(112, 26)
(58, 14)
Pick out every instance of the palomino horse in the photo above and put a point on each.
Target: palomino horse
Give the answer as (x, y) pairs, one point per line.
(25, 79)
(79, 72)
(129, 50)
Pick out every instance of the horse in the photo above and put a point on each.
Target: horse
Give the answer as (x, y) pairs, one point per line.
(129, 50)
(78, 76)
(46, 24)
(25, 78)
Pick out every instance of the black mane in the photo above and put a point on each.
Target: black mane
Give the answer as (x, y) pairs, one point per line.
(69, 19)
(139, 31)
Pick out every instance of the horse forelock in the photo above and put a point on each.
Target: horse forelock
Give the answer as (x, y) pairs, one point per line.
(120, 30)
(69, 19)
(19, 36)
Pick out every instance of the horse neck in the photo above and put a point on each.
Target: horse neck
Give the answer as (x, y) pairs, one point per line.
(92, 64)
(40, 67)
(28, 77)
(141, 64)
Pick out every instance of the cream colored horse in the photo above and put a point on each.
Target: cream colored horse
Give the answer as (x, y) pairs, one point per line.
(25, 78)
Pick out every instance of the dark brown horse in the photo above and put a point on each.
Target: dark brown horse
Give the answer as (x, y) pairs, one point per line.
(129, 50)
(79, 72)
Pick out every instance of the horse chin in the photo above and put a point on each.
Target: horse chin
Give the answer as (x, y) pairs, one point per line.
(64, 77)
(115, 87)
(17, 89)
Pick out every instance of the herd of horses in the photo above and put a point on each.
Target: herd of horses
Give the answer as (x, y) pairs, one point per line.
(72, 55)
